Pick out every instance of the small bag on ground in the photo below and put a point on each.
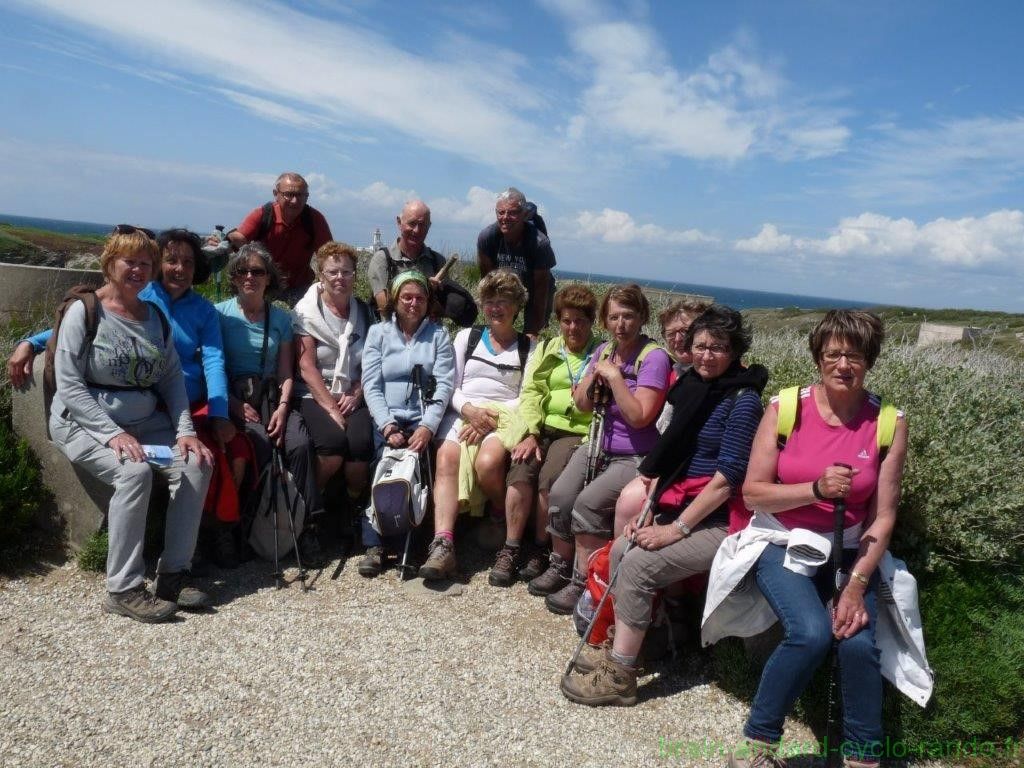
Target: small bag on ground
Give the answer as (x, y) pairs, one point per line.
(398, 497)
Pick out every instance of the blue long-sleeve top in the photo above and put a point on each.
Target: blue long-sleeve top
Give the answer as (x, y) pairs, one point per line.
(723, 443)
(195, 327)
(388, 360)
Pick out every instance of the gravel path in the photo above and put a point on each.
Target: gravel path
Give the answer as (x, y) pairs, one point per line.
(368, 672)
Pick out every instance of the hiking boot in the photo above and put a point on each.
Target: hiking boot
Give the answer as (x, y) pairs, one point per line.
(504, 571)
(563, 602)
(536, 563)
(751, 753)
(310, 553)
(371, 563)
(172, 587)
(440, 560)
(553, 579)
(849, 762)
(139, 604)
(225, 552)
(610, 683)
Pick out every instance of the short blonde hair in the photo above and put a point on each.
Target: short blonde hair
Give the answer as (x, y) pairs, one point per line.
(502, 283)
(128, 244)
(335, 250)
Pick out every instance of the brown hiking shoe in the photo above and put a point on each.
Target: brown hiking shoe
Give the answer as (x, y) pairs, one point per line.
(849, 762)
(505, 565)
(371, 563)
(440, 560)
(553, 579)
(172, 587)
(563, 602)
(139, 604)
(610, 684)
(755, 754)
(536, 563)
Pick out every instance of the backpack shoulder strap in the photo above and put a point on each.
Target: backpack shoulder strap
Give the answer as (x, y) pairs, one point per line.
(789, 402)
(475, 334)
(649, 347)
(524, 350)
(886, 430)
(266, 221)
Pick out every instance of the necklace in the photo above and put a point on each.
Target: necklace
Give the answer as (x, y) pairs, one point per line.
(574, 379)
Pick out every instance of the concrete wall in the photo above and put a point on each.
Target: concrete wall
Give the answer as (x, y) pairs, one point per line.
(24, 290)
(81, 500)
(937, 333)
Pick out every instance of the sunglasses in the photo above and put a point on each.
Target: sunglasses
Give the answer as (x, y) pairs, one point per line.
(129, 229)
(182, 236)
(248, 272)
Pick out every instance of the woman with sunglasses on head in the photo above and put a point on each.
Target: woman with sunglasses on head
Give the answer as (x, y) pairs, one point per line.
(698, 464)
(116, 394)
(197, 339)
(259, 353)
(626, 380)
(331, 325)
(405, 340)
(841, 461)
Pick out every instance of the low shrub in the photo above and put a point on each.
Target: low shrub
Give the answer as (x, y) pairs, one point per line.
(93, 556)
(21, 490)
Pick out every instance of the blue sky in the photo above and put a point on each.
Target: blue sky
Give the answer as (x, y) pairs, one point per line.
(868, 150)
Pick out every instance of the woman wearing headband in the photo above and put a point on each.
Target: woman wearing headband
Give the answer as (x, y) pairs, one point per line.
(406, 339)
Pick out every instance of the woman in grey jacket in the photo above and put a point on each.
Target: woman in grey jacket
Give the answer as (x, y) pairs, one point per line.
(406, 339)
(107, 418)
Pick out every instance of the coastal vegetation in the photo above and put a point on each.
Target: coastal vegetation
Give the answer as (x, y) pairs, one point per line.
(960, 529)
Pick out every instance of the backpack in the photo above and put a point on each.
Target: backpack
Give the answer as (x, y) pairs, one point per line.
(523, 342)
(649, 347)
(789, 410)
(398, 497)
(267, 222)
(457, 304)
(87, 295)
(275, 492)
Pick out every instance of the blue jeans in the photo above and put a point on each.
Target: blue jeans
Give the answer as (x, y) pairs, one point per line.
(799, 602)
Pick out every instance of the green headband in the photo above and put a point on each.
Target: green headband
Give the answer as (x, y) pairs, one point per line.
(411, 275)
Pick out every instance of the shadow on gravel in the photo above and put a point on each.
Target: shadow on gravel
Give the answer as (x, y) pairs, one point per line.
(37, 552)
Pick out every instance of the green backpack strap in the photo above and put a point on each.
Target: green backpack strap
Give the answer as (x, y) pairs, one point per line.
(885, 432)
(789, 402)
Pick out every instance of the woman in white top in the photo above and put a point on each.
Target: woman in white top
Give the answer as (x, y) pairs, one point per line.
(488, 372)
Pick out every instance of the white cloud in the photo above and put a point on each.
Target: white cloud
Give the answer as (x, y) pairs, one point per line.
(996, 239)
(733, 105)
(477, 209)
(301, 70)
(611, 226)
(768, 240)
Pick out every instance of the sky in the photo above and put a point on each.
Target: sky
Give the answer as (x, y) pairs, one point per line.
(864, 150)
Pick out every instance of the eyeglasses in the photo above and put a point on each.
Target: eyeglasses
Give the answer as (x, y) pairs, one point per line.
(129, 229)
(250, 272)
(292, 194)
(714, 349)
(834, 355)
(675, 332)
(415, 298)
(333, 274)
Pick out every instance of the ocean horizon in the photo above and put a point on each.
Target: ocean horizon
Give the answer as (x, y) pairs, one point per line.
(737, 298)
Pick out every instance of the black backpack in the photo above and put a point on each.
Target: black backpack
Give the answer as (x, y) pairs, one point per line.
(457, 303)
(473, 342)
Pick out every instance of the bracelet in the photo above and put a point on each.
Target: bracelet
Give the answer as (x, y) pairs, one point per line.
(683, 527)
(817, 491)
(859, 577)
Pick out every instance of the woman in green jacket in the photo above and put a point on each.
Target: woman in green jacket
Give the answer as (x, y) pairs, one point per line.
(555, 427)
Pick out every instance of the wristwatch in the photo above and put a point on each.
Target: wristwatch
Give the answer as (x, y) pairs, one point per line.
(683, 526)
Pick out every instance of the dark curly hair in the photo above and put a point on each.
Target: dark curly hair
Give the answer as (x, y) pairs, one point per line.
(722, 323)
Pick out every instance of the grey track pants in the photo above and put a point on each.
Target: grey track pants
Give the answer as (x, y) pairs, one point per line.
(132, 483)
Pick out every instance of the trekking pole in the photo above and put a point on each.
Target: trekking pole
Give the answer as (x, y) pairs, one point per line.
(274, 480)
(595, 437)
(838, 521)
(290, 511)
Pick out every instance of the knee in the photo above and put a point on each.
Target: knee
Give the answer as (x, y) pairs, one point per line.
(137, 474)
(631, 500)
(447, 460)
(859, 651)
(812, 633)
(490, 463)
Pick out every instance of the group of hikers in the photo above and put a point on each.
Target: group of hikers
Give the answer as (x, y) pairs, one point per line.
(660, 458)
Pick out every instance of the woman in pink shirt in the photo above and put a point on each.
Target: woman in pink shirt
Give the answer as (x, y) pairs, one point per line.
(831, 454)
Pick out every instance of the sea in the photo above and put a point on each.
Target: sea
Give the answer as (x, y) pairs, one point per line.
(734, 297)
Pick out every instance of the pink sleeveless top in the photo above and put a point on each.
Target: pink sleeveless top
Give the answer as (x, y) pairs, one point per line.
(815, 445)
